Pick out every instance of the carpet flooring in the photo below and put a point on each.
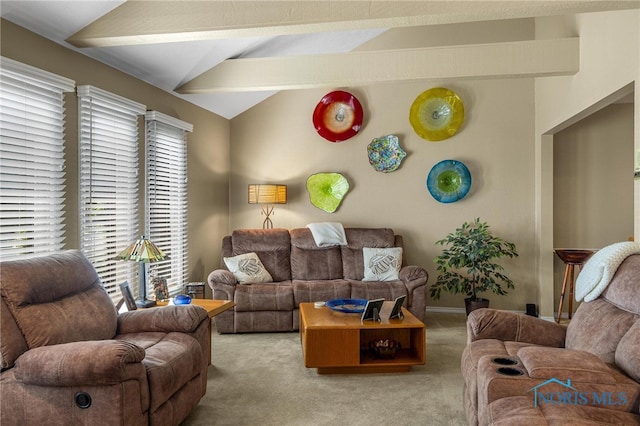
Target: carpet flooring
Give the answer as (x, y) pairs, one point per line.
(260, 379)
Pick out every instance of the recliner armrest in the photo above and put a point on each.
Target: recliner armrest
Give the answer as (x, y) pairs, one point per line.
(515, 327)
(183, 319)
(84, 363)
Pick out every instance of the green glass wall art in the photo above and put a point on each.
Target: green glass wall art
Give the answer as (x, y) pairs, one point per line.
(326, 190)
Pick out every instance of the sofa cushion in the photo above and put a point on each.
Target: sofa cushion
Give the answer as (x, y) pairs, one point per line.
(264, 297)
(597, 327)
(320, 290)
(310, 262)
(628, 352)
(520, 410)
(248, 269)
(563, 364)
(171, 360)
(357, 239)
(273, 247)
(381, 264)
(387, 290)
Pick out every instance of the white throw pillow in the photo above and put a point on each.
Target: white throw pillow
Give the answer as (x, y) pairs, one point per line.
(382, 264)
(248, 269)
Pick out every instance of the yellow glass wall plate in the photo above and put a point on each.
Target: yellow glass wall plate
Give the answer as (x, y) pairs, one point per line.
(436, 114)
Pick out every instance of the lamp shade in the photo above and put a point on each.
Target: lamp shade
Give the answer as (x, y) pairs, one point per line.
(267, 194)
(142, 250)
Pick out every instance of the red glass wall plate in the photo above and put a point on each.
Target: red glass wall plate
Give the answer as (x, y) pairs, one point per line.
(338, 116)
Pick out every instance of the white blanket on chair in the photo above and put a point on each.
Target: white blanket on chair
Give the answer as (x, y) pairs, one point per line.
(600, 268)
(327, 234)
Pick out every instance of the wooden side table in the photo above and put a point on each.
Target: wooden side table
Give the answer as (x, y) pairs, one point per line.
(571, 258)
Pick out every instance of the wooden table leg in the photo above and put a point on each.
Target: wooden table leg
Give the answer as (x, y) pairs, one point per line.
(571, 292)
(568, 269)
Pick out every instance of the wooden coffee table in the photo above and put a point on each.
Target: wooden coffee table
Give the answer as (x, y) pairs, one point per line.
(335, 342)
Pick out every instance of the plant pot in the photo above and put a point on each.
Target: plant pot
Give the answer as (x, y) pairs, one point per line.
(472, 305)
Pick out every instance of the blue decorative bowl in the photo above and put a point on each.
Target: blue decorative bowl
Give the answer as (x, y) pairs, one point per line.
(347, 306)
(449, 181)
(182, 299)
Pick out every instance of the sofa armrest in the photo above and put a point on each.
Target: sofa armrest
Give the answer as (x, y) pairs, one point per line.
(184, 319)
(223, 283)
(515, 327)
(413, 277)
(85, 363)
(563, 364)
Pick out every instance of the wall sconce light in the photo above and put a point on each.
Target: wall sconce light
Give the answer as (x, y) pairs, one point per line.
(267, 195)
(142, 251)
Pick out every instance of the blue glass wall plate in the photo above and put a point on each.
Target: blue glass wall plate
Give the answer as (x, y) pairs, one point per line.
(347, 306)
(449, 181)
(385, 154)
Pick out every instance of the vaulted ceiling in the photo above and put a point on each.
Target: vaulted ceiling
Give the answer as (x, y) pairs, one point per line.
(227, 56)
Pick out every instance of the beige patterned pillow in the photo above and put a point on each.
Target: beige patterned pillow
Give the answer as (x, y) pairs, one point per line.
(382, 264)
(248, 269)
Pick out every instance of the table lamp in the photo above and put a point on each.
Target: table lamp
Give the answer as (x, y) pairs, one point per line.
(267, 195)
(142, 251)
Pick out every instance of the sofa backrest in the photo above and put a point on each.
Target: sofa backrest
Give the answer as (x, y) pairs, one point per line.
(50, 300)
(357, 239)
(310, 262)
(273, 247)
(293, 254)
(599, 326)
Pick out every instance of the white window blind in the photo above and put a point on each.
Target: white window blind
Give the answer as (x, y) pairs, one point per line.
(108, 134)
(166, 196)
(32, 181)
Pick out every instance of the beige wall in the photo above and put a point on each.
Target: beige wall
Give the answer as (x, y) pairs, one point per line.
(609, 69)
(208, 145)
(593, 189)
(276, 142)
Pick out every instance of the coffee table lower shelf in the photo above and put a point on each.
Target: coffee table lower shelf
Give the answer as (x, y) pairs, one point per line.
(338, 344)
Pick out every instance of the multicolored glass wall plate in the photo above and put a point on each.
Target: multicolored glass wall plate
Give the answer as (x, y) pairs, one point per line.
(436, 114)
(326, 190)
(385, 154)
(338, 116)
(449, 181)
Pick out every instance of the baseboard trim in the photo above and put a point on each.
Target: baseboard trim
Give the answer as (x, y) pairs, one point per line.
(445, 310)
(450, 310)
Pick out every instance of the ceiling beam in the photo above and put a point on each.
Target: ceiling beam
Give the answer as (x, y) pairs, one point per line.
(149, 22)
(532, 58)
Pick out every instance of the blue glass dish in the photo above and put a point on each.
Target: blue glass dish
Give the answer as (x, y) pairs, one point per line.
(449, 181)
(182, 299)
(347, 306)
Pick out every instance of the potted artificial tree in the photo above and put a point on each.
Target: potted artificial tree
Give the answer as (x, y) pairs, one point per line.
(466, 265)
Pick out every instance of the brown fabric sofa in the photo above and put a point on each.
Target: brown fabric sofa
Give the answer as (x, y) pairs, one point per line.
(68, 358)
(304, 272)
(587, 373)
